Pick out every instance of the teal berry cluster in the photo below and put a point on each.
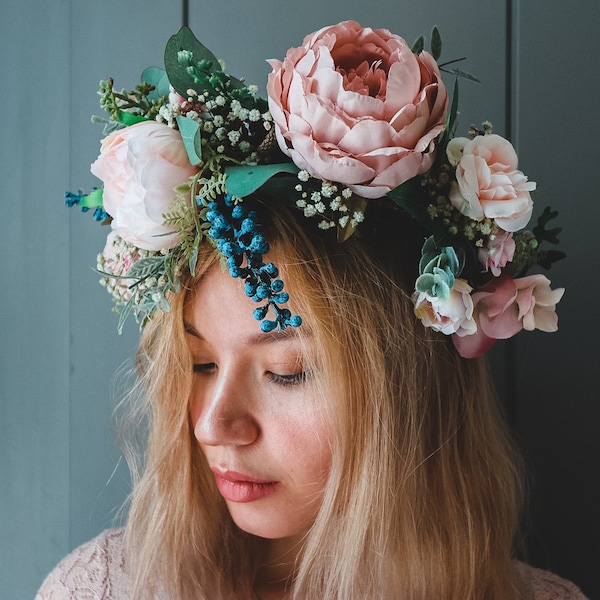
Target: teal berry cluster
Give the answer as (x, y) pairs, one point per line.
(239, 238)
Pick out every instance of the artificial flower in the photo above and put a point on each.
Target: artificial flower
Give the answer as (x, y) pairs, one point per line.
(453, 315)
(537, 303)
(499, 250)
(488, 183)
(505, 306)
(140, 166)
(357, 106)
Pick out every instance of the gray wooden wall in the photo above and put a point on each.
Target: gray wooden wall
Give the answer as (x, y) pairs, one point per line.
(62, 479)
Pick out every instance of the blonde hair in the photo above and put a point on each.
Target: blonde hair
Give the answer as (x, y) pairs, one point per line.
(423, 497)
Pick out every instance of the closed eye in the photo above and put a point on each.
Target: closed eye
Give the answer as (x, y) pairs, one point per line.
(205, 368)
(287, 380)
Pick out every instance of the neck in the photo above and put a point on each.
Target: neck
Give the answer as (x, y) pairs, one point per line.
(275, 574)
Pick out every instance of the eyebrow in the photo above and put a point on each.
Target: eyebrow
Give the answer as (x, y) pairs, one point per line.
(260, 338)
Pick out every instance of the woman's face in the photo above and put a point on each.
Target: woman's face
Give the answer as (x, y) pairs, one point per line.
(257, 411)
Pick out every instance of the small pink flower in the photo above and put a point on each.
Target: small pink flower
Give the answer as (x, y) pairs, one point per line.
(488, 183)
(537, 303)
(499, 250)
(454, 316)
(505, 306)
(140, 166)
(357, 106)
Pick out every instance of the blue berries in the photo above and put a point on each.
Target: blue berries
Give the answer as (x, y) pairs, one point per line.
(239, 237)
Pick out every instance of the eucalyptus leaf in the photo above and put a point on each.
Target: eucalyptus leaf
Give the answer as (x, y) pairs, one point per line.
(436, 43)
(192, 138)
(244, 180)
(158, 78)
(418, 45)
(177, 73)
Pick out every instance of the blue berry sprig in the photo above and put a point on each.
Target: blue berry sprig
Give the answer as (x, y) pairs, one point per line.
(239, 237)
(87, 202)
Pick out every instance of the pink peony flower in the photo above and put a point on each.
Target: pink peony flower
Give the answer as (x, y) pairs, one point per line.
(140, 166)
(488, 183)
(454, 316)
(499, 250)
(356, 106)
(507, 305)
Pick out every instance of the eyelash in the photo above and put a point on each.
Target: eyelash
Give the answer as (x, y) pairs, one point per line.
(282, 380)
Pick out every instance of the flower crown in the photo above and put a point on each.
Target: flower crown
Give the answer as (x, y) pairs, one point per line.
(354, 116)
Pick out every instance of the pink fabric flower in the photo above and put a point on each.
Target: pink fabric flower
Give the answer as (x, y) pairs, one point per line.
(499, 250)
(356, 106)
(488, 183)
(140, 166)
(453, 316)
(537, 303)
(507, 305)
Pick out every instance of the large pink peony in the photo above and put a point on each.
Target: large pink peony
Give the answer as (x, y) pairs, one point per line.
(507, 305)
(140, 166)
(488, 183)
(357, 106)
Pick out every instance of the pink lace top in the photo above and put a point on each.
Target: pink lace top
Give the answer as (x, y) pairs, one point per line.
(96, 571)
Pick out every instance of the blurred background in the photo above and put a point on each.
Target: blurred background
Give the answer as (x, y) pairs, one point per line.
(62, 477)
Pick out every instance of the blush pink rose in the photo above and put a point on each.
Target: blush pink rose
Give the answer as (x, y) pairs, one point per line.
(140, 166)
(537, 303)
(356, 106)
(506, 306)
(488, 183)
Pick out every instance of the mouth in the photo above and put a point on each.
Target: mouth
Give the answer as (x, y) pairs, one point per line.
(238, 487)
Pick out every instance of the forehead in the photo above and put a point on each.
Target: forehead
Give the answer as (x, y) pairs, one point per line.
(218, 308)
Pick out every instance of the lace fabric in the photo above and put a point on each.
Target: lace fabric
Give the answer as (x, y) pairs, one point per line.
(96, 571)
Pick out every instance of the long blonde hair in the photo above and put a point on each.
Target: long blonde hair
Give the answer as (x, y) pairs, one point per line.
(423, 497)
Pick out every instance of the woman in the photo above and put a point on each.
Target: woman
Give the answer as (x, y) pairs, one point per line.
(341, 449)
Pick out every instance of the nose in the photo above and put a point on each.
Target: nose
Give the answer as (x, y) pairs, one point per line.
(223, 411)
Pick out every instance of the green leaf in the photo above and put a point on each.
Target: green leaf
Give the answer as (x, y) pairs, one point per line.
(407, 196)
(418, 45)
(128, 118)
(192, 138)
(177, 72)
(92, 200)
(158, 78)
(244, 180)
(459, 73)
(436, 43)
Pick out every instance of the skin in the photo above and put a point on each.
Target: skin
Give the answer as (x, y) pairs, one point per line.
(258, 410)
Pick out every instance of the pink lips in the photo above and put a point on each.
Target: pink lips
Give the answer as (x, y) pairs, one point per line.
(237, 487)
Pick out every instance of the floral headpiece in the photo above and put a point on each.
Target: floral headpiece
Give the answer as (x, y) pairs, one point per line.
(353, 116)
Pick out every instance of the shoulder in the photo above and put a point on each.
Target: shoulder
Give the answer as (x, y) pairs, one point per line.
(543, 585)
(93, 571)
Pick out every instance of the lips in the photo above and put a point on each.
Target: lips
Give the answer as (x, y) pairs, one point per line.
(237, 487)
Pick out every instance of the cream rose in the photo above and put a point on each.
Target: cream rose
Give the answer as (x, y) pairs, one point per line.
(451, 316)
(357, 106)
(488, 183)
(140, 166)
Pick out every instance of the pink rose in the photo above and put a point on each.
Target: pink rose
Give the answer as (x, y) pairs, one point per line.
(507, 305)
(356, 106)
(537, 303)
(499, 250)
(140, 166)
(454, 315)
(488, 183)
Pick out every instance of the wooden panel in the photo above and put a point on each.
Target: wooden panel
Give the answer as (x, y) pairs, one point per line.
(557, 54)
(34, 355)
(59, 348)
